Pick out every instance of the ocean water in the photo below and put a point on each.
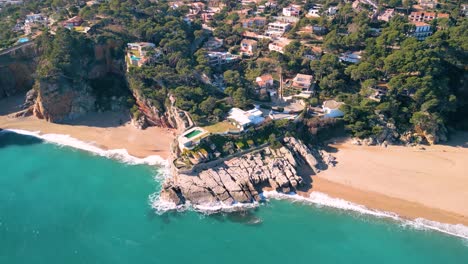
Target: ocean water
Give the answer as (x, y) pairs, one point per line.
(62, 205)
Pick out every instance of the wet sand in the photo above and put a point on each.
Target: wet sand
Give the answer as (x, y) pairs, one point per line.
(412, 182)
(108, 130)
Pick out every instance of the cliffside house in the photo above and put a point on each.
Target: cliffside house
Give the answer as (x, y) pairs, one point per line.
(331, 108)
(421, 30)
(278, 45)
(243, 119)
(248, 47)
(141, 52)
(217, 58)
(75, 21)
(191, 138)
(304, 82)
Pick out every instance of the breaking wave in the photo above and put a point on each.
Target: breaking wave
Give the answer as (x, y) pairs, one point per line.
(116, 154)
(323, 200)
(316, 198)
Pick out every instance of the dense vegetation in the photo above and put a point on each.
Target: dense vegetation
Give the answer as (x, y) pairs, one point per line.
(425, 81)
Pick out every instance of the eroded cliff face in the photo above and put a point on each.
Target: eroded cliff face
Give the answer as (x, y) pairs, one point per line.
(99, 87)
(61, 100)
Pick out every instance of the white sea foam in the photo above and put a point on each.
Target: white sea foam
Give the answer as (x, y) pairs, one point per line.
(321, 199)
(117, 154)
(316, 198)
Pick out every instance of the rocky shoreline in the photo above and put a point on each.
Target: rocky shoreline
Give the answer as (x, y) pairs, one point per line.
(240, 180)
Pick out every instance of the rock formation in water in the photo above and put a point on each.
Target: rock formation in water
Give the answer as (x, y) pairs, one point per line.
(241, 179)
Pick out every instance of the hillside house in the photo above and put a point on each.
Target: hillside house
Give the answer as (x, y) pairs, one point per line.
(278, 45)
(421, 30)
(248, 47)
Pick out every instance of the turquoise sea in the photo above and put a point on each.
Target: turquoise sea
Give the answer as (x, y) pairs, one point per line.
(61, 205)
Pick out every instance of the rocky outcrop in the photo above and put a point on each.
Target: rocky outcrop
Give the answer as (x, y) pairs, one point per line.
(61, 100)
(241, 179)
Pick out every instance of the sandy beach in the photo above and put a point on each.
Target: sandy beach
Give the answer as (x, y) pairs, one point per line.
(413, 182)
(107, 130)
(431, 183)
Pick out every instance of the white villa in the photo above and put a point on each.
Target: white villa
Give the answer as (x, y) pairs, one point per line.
(243, 119)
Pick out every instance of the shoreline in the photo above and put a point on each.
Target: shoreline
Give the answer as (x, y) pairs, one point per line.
(402, 193)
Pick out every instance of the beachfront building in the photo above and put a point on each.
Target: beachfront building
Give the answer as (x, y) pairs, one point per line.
(248, 47)
(244, 119)
(278, 45)
(421, 30)
(141, 53)
(331, 108)
(191, 138)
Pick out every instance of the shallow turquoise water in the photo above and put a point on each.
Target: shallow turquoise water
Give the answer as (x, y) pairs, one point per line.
(59, 205)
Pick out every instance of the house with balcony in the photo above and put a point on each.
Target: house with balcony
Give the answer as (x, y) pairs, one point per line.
(277, 29)
(421, 30)
(253, 22)
(292, 10)
(248, 47)
(217, 58)
(304, 82)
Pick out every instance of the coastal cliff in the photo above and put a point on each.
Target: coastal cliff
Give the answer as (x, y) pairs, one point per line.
(241, 179)
(76, 76)
(62, 99)
(17, 70)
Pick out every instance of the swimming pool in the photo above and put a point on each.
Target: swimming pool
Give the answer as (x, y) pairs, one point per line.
(23, 40)
(193, 133)
(135, 58)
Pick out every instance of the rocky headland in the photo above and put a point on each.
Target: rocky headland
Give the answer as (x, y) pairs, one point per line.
(241, 179)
